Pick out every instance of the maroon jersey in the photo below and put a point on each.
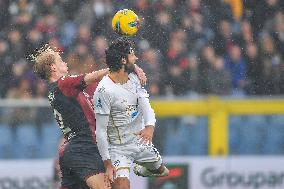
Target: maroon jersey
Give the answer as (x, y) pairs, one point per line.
(72, 108)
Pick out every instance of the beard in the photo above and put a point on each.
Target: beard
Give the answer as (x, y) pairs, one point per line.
(129, 68)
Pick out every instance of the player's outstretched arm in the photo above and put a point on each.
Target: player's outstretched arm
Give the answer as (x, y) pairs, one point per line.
(95, 76)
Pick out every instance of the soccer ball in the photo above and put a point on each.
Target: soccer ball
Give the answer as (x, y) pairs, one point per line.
(125, 22)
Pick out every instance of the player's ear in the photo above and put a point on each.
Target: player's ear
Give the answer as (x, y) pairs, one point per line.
(123, 61)
(52, 67)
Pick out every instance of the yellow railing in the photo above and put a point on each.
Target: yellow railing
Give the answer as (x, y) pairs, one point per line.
(217, 111)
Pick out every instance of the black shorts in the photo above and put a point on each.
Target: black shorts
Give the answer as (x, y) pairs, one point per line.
(78, 163)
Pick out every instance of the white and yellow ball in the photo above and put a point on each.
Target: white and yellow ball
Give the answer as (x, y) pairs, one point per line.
(125, 22)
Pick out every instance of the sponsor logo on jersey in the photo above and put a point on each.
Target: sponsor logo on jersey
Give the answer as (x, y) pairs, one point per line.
(134, 114)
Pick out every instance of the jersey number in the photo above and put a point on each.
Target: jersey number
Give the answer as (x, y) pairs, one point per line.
(59, 120)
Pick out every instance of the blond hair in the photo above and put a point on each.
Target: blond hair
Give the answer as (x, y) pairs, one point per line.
(43, 59)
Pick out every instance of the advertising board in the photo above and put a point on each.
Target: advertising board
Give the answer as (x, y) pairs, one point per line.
(255, 172)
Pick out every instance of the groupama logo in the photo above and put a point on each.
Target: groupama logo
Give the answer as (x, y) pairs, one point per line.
(211, 177)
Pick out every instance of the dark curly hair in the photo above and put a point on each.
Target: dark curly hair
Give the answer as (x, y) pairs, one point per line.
(118, 49)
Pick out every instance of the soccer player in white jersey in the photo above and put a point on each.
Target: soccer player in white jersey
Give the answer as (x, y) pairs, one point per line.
(125, 121)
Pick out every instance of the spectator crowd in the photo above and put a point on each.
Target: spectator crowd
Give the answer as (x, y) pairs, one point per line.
(186, 47)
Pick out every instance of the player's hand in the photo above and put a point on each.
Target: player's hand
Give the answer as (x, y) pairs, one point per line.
(146, 134)
(141, 75)
(110, 173)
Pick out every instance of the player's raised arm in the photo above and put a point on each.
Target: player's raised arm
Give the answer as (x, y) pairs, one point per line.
(95, 76)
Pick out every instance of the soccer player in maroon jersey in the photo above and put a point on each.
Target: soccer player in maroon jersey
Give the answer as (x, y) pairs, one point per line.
(80, 161)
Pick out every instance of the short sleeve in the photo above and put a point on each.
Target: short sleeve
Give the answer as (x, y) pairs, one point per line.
(102, 101)
(72, 85)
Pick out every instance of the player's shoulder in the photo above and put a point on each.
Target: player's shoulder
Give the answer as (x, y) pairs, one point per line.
(105, 81)
(69, 80)
(104, 85)
(134, 78)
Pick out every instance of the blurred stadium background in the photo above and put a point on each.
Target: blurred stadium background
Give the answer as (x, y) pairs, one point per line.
(215, 74)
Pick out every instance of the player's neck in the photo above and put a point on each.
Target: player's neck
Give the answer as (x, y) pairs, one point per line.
(119, 77)
(54, 77)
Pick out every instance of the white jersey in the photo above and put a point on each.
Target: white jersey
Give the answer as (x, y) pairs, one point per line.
(121, 103)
